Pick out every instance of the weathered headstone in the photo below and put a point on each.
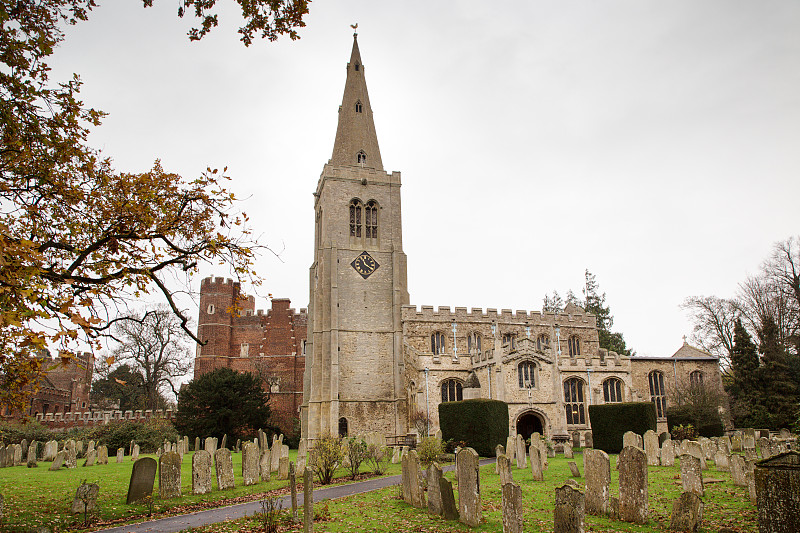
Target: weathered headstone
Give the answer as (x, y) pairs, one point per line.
(197, 444)
(224, 443)
(597, 469)
(120, 455)
(300, 467)
(250, 464)
(512, 508)
(50, 450)
(265, 465)
(102, 455)
(201, 472)
(687, 513)
(275, 454)
(283, 468)
(433, 475)
(633, 485)
(71, 457)
(85, 500)
(588, 440)
(412, 480)
(724, 444)
(573, 469)
(91, 458)
(169, 475)
(308, 501)
(667, 453)
(449, 508)
(736, 443)
(17, 454)
(511, 446)
(469, 488)
(210, 446)
(520, 452)
(135, 453)
(143, 477)
(568, 516)
(721, 462)
(32, 455)
(395, 455)
(58, 462)
(224, 467)
(691, 474)
(651, 447)
(694, 448)
(568, 451)
(537, 465)
(738, 470)
(498, 451)
(504, 469)
(629, 438)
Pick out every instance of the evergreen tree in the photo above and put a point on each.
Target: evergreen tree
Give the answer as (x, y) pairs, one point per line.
(780, 391)
(744, 386)
(595, 303)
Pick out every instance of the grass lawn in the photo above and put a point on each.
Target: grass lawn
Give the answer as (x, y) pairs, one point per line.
(36, 497)
(385, 511)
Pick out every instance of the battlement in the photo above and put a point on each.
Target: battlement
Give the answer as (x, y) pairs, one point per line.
(443, 313)
(211, 282)
(102, 417)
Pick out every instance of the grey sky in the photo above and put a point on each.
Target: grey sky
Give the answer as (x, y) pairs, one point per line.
(654, 143)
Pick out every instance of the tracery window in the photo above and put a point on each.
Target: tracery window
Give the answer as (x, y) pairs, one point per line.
(359, 107)
(696, 379)
(525, 371)
(474, 344)
(510, 338)
(658, 393)
(437, 343)
(362, 157)
(573, 401)
(355, 218)
(612, 390)
(542, 342)
(371, 219)
(452, 390)
(574, 345)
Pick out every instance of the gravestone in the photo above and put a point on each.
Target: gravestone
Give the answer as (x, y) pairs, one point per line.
(17, 454)
(693, 448)
(50, 450)
(750, 454)
(210, 446)
(58, 461)
(763, 445)
(498, 451)
(573, 468)
(91, 458)
(738, 470)
(597, 469)
(292, 487)
(24, 444)
(169, 475)
(275, 454)
(412, 480)
(85, 500)
(504, 469)
(197, 444)
(32, 455)
(632, 464)
(143, 477)
(71, 457)
(512, 508)
(135, 453)
(667, 453)
(568, 516)
(588, 440)
(102, 455)
(449, 508)
(724, 444)
(224, 443)
(691, 474)
(433, 475)
(308, 501)
(300, 467)
(250, 464)
(536, 463)
(201, 472)
(520, 452)
(687, 513)
(511, 447)
(721, 462)
(629, 438)
(265, 465)
(469, 488)
(568, 451)
(651, 447)
(736, 443)
(750, 478)
(120, 455)
(283, 468)
(224, 466)
(395, 455)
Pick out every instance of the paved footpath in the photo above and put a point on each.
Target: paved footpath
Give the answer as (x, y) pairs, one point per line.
(173, 524)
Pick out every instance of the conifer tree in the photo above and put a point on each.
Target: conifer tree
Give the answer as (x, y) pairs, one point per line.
(595, 303)
(780, 396)
(744, 386)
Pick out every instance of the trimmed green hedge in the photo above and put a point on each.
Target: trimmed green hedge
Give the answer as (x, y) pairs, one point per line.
(610, 422)
(482, 424)
(709, 425)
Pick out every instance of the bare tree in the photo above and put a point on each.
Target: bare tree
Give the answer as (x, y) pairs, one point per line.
(714, 320)
(153, 343)
(763, 298)
(784, 268)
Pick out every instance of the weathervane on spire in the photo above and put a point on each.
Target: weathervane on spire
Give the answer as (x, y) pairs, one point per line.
(355, 27)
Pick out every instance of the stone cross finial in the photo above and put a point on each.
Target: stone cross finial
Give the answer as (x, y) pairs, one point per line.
(684, 339)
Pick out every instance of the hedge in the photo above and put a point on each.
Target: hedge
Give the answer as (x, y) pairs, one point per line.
(610, 422)
(481, 424)
(709, 425)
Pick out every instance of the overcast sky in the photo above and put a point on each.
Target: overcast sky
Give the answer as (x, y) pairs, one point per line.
(655, 143)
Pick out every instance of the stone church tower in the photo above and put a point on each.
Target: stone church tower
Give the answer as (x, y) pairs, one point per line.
(354, 363)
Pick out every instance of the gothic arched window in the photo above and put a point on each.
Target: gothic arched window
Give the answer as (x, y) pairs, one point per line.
(658, 394)
(362, 157)
(696, 379)
(474, 344)
(573, 401)
(542, 342)
(452, 391)
(355, 218)
(342, 427)
(574, 344)
(525, 372)
(510, 339)
(437, 343)
(612, 390)
(359, 107)
(371, 219)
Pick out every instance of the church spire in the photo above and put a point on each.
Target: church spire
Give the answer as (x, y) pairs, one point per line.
(356, 141)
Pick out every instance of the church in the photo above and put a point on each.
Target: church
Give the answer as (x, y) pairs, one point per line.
(372, 362)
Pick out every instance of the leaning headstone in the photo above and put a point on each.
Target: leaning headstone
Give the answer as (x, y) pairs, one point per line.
(694, 448)
(210, 446)
(738, 470)
(120, 455)
(651, 447)
(143, 478)
(568, 516)
(629, 438)
(201, 472)
(573, 468)
(504, 469)
(687, 513)
(250, 464)
(498, 451)
(412, 480)
(520, 452)
(91, 458)
(691, 474)
(667, 453)
(85, 500)
(71, 458)
(169, 475)
(750, 454)
(721, 462)
(597, 469)
(308, 501)
(449, 508)
(568, 451)
(633, 485)
(537, 466)
(469, 488)
(224, 443)
(50, 450)
(433, 475)
(224, 467)
(24, 444)
(58, 461)
(512, 508)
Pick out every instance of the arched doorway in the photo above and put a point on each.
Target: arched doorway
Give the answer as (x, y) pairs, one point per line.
(528, 424)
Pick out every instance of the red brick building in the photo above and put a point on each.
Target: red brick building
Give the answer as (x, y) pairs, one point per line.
(271, 344)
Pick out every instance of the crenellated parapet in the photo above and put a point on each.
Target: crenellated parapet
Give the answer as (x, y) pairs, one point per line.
(100, 417)
(477, 314)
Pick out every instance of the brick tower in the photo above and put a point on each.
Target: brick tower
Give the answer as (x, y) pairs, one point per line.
(353, 379)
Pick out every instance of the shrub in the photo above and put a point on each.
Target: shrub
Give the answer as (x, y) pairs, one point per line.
(357, 454)
(481, 424)
(684, 432)
(610, 422)
(326, 457)
(708, 425)
(379, 458)
(149, 435)
(429, 449)
(31, 430)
